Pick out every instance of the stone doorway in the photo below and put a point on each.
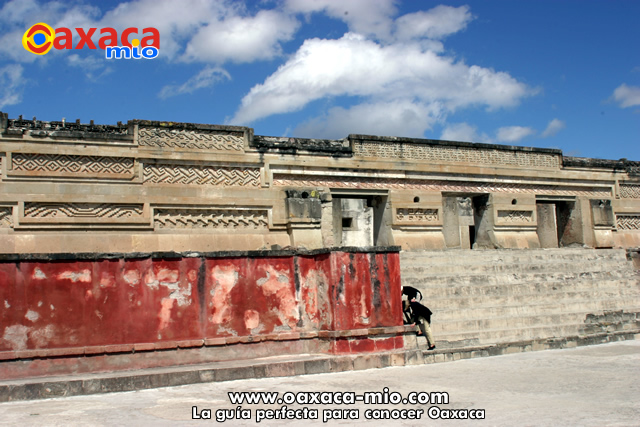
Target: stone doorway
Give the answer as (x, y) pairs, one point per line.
(466, 223)
(358, 220)
(558, 223)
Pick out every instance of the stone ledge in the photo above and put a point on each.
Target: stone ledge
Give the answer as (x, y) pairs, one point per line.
(438, 142)
(207, 342)
(42, 388)
(91, 256)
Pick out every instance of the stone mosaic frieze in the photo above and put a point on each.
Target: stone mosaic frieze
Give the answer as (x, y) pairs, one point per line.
(629, 191)
(435, 185)
(201, 175)
(71, 164)
(82, 210)
(476, 156)
(193, 139)
(6, 217)
(231, 219)
(515, 216)
(628, 222)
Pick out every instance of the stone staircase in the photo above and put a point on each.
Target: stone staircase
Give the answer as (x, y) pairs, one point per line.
(500, 297)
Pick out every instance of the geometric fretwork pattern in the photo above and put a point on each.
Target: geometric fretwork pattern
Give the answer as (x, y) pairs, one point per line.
(6, 217)
(81, 210)
(201, 139)
(211, 218)
(435, 185)
(71, 164)
(202, 175)
(628, 191)
(628, 222)
(515, 216)
(416, 214)
(435, 153)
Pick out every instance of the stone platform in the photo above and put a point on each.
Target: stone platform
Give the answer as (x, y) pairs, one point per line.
(279, 366)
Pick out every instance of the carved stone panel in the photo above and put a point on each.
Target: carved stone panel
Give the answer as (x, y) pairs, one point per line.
(515, 217)
(417, 215)
(6, 217)
(628, 222)
(202, 175)
(434, 185)
(230, 219)
(71, 166)
(629, 191)
(436, 153)
(193, 139)
(83, 215)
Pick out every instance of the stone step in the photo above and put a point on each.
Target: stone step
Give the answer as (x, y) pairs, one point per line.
(503, 296)
(521, 321)
(535, 308)
(534, 288)
(427, 281)
(502, 335)
(509, 256)
(621, 297)
(515, 334)
(497, 294)
(541, 266)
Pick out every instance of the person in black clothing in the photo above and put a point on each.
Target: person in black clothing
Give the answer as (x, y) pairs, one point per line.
(411, 293)
(419, 315)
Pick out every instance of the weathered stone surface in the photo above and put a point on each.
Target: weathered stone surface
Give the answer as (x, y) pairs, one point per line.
(203, 187)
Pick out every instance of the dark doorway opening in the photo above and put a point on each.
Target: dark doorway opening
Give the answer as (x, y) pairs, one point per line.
(556, 220)
(472, 235)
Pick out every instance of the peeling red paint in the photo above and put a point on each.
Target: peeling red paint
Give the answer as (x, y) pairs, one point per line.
(165, 312)
(277, 285)
(122, 301)
(251, 319)
(76, 276)
(224, 279)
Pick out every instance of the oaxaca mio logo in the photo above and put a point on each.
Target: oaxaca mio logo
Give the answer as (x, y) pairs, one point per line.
(40, 38)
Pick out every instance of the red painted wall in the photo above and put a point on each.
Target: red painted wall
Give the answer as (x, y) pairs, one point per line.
(76, 303)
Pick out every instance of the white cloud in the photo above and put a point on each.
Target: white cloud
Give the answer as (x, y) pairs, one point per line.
(242, 39)
(463, 132)
(18, 15)
(11, 85)
(193, 30)
(205, 78)
(513, 133)
(395, 118)
(177, 21)
(355, 66)
(367, 17)
(436, 23)
(93, 67)
(627, 96)
(553, 128)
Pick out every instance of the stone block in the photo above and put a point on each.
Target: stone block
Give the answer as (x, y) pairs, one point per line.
(281, 369)
(317, 366)
(230, 374)
(369, 361)
(341, 364)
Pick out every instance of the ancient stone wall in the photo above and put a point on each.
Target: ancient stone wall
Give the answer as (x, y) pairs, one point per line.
(164, 186)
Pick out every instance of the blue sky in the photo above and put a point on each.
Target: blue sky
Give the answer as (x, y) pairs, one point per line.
(557, 74)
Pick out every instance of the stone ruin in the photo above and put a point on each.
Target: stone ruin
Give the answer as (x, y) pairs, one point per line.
(162, 186)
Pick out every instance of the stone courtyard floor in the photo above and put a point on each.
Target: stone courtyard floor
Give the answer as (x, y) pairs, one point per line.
(586, 386)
